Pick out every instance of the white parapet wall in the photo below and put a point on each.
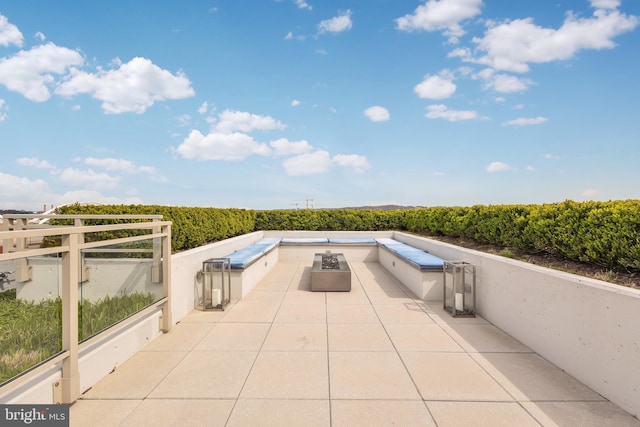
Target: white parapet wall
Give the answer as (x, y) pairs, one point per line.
(101, 277)
(426, 285)
(290, 253)
(352, 252)
(586, 327)
(185, 280)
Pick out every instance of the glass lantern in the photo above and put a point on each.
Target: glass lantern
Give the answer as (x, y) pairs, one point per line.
(459, 288)
(216, 284)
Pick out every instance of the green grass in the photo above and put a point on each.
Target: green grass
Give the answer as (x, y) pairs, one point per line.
(32, 332)
(508, 253)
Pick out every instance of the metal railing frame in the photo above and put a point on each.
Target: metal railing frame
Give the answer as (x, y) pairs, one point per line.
(19, 229)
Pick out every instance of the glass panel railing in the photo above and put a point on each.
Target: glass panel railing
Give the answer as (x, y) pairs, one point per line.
(117, 281)
(30, 313)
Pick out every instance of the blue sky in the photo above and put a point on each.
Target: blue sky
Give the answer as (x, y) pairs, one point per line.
(270, 104)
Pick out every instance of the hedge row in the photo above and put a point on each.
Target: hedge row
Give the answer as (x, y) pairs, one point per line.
(329, 220)
(603, 233)
(191, 227)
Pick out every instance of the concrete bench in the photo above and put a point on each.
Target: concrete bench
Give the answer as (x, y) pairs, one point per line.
(304, 248)
(245, 257)
(304, 241)
(320, 241)
(426, 275)
(414, 256)
(251, 264)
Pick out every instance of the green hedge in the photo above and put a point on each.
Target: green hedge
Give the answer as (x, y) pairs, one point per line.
(191, 227)
(603, 233)
(329, 220)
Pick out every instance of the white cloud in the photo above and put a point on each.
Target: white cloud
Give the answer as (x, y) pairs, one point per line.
(184, 119)
(91, 196)
(308, 164)
(231, 121)
(40, 36)
(463, 53)
(436, 86)
(358, 163)
(513, 45)
(526, 121)
(377, 114)
(24, 193)
(337, 24)
(34, 162)
(605, 4)
(550, 156)
(284, 147)
(127, 166)
(441, 111)
(132, 87)
(302, 4)
(17, 192)
(28, 72)
(591, 193)
(295, 103)
(291, 36)
(441, 15)
(9, 33)
(504, 83)
(204, 107)
(530, 169)
(498, 167)
(3, 109)
(89, 179)
(220, 146)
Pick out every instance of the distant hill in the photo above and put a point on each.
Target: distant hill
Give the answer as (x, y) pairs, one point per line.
(384, 207)
(14, 212)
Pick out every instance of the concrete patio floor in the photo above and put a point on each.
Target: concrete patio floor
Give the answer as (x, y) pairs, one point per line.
(286, 356)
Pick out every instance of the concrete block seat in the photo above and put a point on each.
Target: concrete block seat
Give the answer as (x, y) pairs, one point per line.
(314, 241)
(304, 241)
(425, 278)
(366, 241)
(419, 270)
(414, 256)
(248, 255)
(246, 271)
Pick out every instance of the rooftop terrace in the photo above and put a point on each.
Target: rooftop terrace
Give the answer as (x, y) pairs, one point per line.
(286, 356)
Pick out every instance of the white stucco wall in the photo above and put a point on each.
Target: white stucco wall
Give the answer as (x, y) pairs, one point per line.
(587, 327)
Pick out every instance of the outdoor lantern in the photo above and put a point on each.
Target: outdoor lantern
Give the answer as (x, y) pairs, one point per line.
(459, 288)
(216, 284)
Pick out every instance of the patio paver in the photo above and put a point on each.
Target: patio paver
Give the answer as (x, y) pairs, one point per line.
(286, 356)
